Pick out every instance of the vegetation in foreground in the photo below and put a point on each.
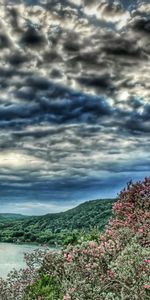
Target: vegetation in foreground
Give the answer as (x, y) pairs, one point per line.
(116, 267)
(61, 228)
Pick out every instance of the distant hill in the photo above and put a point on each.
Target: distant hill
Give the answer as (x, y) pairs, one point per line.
(10, 217)
(86, 215)
(52, 228)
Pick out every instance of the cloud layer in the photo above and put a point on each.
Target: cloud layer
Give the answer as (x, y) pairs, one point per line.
(74, 109)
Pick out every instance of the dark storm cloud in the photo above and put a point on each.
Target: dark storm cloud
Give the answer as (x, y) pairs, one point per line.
(74, 103)
(4, 41)
(78, 59)
(17, 59)
(78, 107)
(56, 104)
(141, 25)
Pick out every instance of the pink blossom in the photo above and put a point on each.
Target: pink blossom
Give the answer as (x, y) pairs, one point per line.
(147, 261)
(85, 251)
(141, 230)
(92, 244)
(147, 286)
(68, 257)
(142, 193)
(67, 297)
(110, 273)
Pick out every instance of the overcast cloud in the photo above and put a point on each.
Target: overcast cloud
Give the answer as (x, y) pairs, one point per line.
(74, 101)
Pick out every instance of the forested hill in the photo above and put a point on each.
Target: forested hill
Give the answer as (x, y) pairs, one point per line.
(10, 217)
(56, 227)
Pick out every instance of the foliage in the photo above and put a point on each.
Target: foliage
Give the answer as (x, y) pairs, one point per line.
(61, 228)
(45, 288)
(116, 266)
(10, 217)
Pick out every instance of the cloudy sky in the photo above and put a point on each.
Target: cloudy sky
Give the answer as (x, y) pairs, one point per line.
(74, 101)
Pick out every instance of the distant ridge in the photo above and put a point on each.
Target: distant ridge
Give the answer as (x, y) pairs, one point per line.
(11, 216)
(55, 227)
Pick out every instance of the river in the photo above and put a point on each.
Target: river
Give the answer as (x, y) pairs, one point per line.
(12, 256)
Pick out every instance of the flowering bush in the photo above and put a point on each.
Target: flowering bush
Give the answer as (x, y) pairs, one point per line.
(115, 266)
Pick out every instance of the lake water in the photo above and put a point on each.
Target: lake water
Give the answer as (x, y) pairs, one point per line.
(12, 256)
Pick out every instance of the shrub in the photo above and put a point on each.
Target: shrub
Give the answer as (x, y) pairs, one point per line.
(44, 288)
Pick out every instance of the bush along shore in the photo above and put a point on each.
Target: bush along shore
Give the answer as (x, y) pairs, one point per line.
(114, 266)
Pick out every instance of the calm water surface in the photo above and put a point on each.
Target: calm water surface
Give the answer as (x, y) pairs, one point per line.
(12, 256)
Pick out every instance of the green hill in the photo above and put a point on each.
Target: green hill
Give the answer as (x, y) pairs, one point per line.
(57, 227)
(10, 217)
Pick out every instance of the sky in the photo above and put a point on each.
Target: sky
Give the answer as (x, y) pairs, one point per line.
(74, 101)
